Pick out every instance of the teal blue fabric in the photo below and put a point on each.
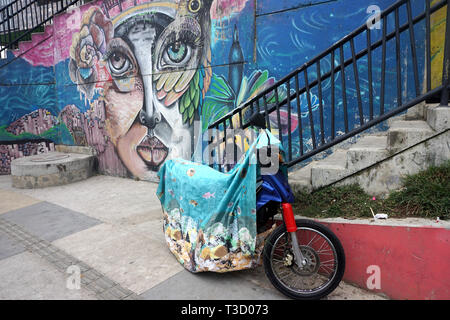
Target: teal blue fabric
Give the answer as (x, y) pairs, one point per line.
(209, 216)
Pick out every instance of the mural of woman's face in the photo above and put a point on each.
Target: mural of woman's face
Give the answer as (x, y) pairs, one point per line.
(152, 56)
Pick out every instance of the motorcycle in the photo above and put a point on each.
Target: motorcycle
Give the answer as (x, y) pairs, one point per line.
(302, 258)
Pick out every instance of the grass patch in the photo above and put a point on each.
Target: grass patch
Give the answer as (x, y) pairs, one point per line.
(425, 194)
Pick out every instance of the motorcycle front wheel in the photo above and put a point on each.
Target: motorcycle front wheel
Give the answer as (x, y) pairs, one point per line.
(324, 255)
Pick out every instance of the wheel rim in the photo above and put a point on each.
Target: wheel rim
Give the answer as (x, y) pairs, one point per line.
(321, 267)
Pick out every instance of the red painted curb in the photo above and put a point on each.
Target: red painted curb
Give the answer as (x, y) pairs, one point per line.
(413, 262)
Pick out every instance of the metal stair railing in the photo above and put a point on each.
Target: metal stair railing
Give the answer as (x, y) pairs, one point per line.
(320, 123)
(20, 18)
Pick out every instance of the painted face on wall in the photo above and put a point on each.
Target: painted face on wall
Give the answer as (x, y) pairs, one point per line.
(156, 55)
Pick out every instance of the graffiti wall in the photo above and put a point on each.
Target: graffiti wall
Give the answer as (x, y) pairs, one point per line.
(437, 38)
(140, 80)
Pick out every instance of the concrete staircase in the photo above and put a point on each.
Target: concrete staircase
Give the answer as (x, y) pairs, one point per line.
(414, 140)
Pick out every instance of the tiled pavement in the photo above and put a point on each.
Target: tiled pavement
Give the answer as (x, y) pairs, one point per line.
(110, 229)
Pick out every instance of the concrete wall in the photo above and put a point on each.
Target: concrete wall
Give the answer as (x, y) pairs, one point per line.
(141, 82)
(405, 260)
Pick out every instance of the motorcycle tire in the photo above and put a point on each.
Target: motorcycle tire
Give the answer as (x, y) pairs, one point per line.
(324, 257)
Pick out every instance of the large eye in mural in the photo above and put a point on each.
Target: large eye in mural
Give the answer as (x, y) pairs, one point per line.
(177, 54)
(194, 6)
(178, 46)
(119, 63)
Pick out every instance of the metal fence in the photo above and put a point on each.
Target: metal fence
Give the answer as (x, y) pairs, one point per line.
(343, 107)
(4, 3)
(20, 18)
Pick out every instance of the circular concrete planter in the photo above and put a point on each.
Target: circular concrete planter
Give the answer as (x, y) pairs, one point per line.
(50, 169)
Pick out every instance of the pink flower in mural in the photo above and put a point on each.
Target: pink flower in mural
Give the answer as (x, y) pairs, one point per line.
(88, 47)
(224, 8)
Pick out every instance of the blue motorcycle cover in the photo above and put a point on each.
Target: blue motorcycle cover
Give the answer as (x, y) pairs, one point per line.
(210, 216)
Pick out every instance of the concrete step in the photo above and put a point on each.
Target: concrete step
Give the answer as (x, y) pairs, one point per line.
(366, 152)
(371, 141)
(329, 169)
(418, 112)
(405, 130)
(337, 159)
(438, 118)
(300, 180)
(403, 134)
(51, 169)
(395, 119)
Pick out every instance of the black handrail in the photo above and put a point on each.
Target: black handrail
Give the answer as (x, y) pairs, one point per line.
(20, 18)
(318, 139)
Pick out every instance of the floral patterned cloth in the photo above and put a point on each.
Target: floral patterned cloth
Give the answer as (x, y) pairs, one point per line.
(209, 216)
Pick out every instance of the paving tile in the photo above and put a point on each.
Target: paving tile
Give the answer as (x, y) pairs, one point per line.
(133, 297)
(49, 221)
(9, 246)
(26, 276)
(151, 227)
(107, 296)
(128, 258)
(100, 285)
(209, 286)
(118, 292)
(90, 276)
(109, 199)
(10, 200)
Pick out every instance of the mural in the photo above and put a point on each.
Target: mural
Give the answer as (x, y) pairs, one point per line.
(438, 22)
(140, 80)
(130, 79)
(157, 55)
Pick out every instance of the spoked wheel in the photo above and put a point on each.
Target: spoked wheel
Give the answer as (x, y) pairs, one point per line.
(323, 269)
